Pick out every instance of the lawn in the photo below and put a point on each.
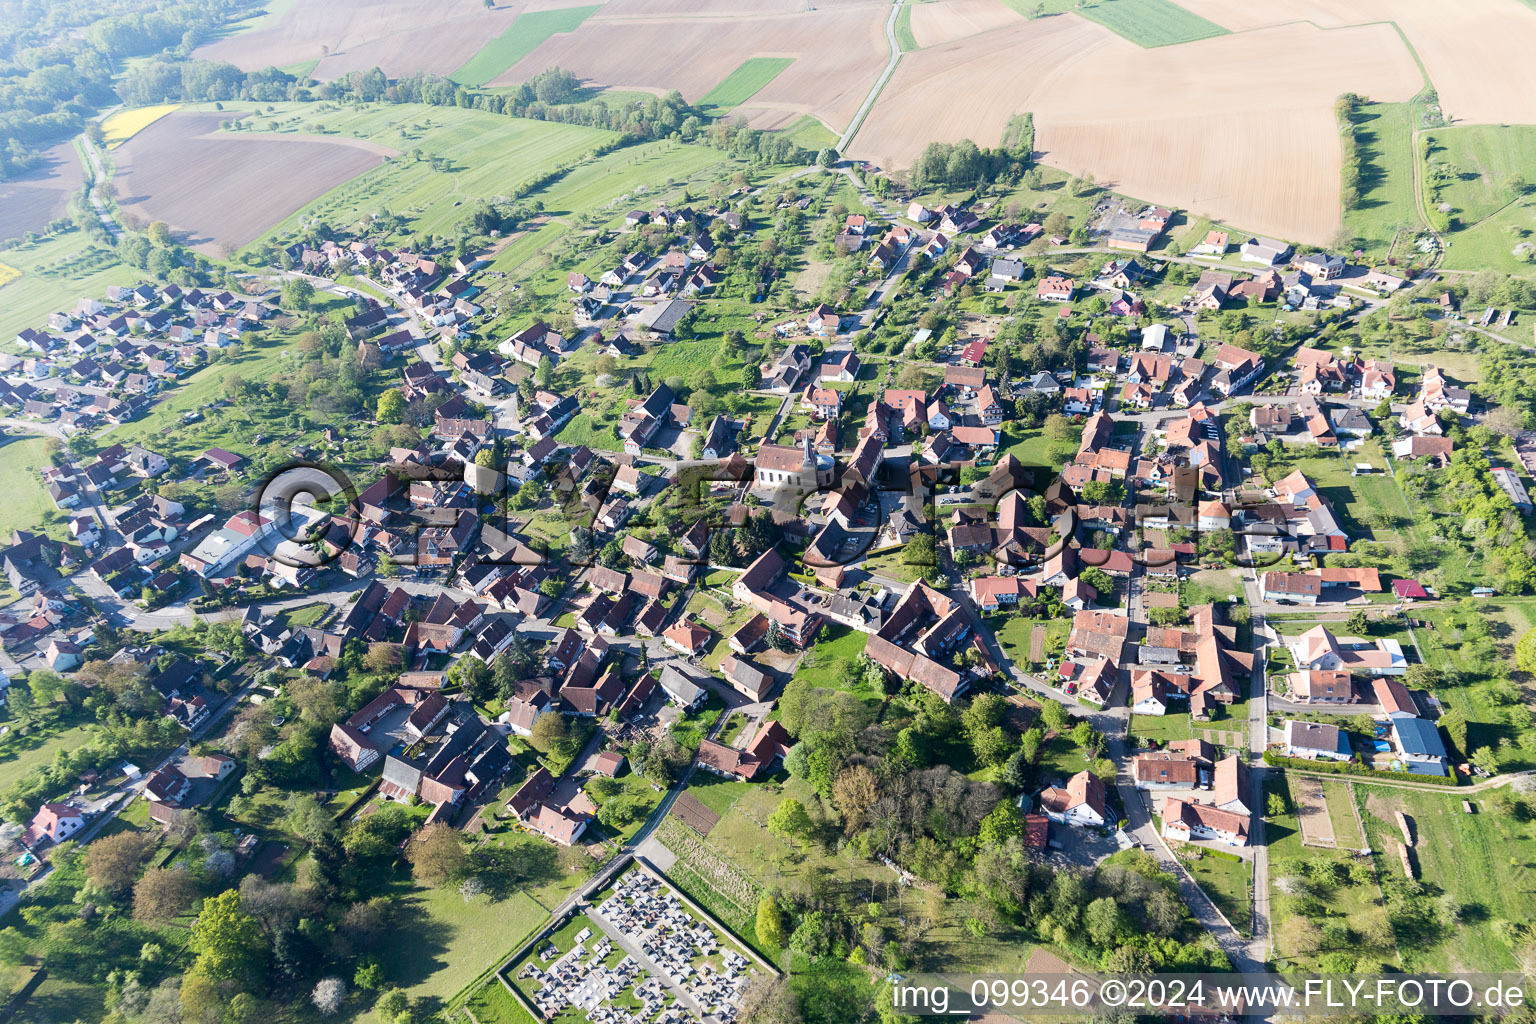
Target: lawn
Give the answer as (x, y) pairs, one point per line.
(1150, 23)
(1360, 500)
(583, 429)
(810, 133)
(306, 615)
(1033, 448)
(742, 840)
(1491, 720)
(493, 1004)
(1483, 861)
(1341, 811)
(1228, 881)
(1490, 244)
(444, 942)
(59, 1000)
(597, 192)
(750, 78)
(520, 39)
(12, 769)
(1060, 759)
(1160, 728)
(716, 793)
(1015, 631)
(1212, 585)
(55, 273)
(1384, 134)
(27, 506)
(825, 664)
(125, 124)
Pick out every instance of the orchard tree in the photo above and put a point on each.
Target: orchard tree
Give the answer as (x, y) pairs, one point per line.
(436, 854)
(790, 821)
(328, 995)
(229, 942)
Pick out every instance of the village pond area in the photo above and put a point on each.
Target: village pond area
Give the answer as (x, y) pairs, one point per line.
(637, 951)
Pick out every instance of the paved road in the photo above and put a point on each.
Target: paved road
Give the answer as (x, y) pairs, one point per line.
(102, 180)
(1261, 945)
(885, 76)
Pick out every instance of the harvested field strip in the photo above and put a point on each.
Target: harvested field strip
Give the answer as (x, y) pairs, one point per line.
(1151, 23)
(1312, 809)
(125, 124)
(518, 41)
(904, 37)
(745, 82)
(695, 815)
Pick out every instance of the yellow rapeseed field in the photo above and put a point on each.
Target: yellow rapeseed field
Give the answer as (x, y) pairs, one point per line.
(125, 124)
(8, 274)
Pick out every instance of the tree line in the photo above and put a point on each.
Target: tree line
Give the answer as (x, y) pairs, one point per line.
(59, 59)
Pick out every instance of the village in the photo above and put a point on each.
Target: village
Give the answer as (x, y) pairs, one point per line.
(564, 569)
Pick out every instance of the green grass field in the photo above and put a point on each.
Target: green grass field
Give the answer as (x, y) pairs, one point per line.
(825, 664)
(1483, 861)
(446, 942)
(745, 82)
(1480, 160)
(1342, 913)
(1490, 244)
(1033, 448)
(493, 1004)
(1341, 811)
(811, 133)
(481, 156)
(1384, 133)
(27, 505)
(1150, 23)
(1481, 697)
(66, 739)
(598, 192)
(1357, 498)
(743, 841)
(55, 273)
(904, 37)
(1161, 728)
(520, 39)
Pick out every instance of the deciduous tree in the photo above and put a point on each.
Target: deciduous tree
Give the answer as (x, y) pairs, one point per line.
(436, 854)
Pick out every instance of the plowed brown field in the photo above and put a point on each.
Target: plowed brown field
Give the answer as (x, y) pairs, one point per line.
(1477, 52)
(838, 50)
(213, 187)
(29, 202)
(1239, 128)
(947, 20)
(404, 37)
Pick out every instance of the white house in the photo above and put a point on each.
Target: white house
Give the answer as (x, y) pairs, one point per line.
(1080, 803)
(1184, 820)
